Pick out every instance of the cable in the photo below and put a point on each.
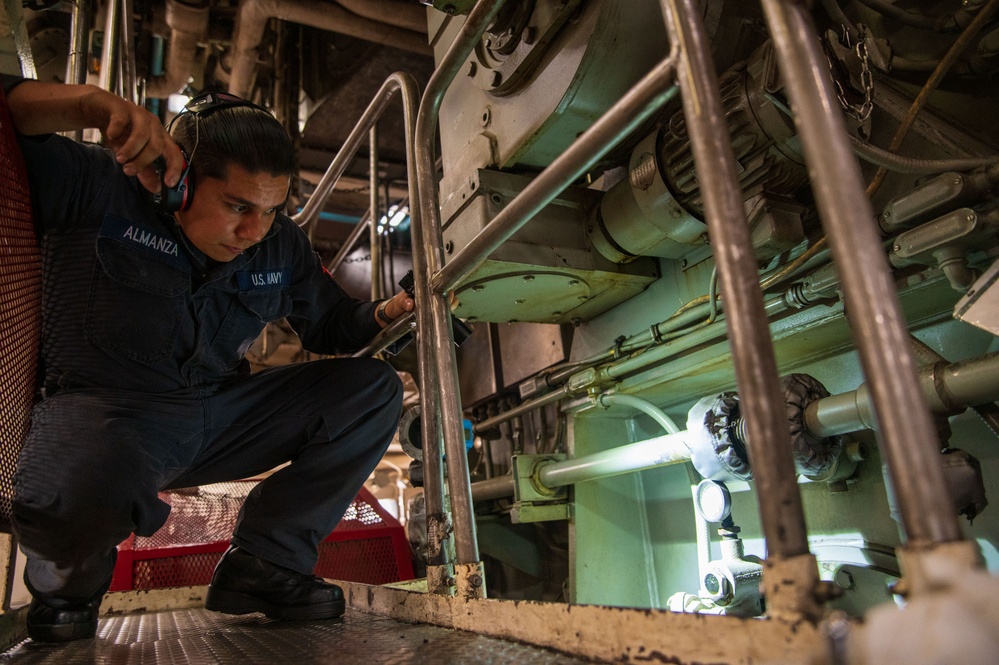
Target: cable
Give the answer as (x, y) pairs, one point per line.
(908, 18)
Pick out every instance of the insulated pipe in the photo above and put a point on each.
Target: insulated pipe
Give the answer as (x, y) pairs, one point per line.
(188, 25)
(909, 436)
(253, 15)
(441, 401)
(781, 514)
(644, 99)
(406, 15)
(639, 456)
(397, 82)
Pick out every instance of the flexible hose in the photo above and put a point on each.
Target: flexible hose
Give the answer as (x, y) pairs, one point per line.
(643, 405)
(911, 165)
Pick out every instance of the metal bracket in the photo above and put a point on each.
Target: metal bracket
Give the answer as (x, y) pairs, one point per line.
(533, 501)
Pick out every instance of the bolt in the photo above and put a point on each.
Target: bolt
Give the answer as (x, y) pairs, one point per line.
(971, 217)
(472, 68)
(487, 117)
(844, 578)
(496, 79)
(449, 9)
(573, 282)
(475, 581)
(478, 287)
(683, 263)
(529, 35)
(576, 322)
(896, 247)
(449, 581)
(886, 214)
(519, 301)
(528, 278)
(449, 247)
(582, 298)
(496, 198)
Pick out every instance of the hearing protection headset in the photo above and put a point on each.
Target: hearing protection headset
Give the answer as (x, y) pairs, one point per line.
(172, 199)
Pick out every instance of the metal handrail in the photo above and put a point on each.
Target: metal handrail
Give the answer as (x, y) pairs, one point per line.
(909, 436)
(398, 82)
(441, 408)
(781, 513)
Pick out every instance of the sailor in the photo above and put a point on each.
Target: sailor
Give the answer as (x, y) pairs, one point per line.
(150, 303)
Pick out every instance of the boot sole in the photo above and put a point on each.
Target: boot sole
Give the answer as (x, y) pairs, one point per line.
(233, 602)
(62, 632)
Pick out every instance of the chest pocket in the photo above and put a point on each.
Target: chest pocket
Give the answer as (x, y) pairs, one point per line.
(245, 319)
(136, 302)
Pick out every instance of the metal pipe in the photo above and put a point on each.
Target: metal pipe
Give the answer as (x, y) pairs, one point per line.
(349, 243)
(753, 357)
(520, 409)
(441, 401)
(397, 82)
(129, 79)
(949, 388)
(644, 99)
(79, 30)
(252, 17)
(907, 430)
(76, 64)
(639, 456)
(111, 47)
(390, 333)
(494, 488)
(374, 237)
(643, 405)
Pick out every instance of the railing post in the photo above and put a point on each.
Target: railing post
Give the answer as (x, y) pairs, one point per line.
(441, 402)
(906, 430)
(791, 573)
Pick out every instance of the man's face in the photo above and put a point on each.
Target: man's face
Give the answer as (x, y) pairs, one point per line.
(229, 216)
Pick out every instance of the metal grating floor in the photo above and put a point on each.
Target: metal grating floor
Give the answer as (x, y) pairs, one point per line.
(199, 637)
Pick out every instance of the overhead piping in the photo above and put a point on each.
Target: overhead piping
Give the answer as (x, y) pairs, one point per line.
(253, 15)
(188, 23)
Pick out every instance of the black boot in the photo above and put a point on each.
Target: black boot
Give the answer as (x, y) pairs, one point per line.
(243, 583)
(62, 624)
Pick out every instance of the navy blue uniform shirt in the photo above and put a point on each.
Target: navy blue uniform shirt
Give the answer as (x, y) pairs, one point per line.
(130, 304)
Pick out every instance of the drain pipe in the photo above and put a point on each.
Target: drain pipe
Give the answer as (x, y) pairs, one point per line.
(188, 23)
(252, 17)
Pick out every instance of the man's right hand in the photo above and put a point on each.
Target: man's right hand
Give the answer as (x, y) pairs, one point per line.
(135, 135)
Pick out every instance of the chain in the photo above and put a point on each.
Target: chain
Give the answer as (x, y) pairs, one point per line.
(862, 111)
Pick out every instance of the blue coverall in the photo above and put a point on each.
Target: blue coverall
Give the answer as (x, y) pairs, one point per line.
(147, 388)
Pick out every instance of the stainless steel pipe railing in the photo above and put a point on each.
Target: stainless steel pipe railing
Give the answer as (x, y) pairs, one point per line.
(397, 83)
(441, 407)
(781, 513)
(907, 432)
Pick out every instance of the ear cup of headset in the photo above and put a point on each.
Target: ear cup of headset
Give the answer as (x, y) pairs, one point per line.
(178, 197)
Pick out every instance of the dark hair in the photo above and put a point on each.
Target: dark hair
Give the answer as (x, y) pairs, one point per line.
(246, 136)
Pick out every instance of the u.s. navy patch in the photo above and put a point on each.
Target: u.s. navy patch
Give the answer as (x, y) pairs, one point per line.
(249, 280)
(154, 241)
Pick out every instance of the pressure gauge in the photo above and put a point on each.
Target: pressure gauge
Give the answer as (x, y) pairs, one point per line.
(712, 501)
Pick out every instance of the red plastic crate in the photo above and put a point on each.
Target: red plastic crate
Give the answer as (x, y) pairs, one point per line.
(369, 545)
